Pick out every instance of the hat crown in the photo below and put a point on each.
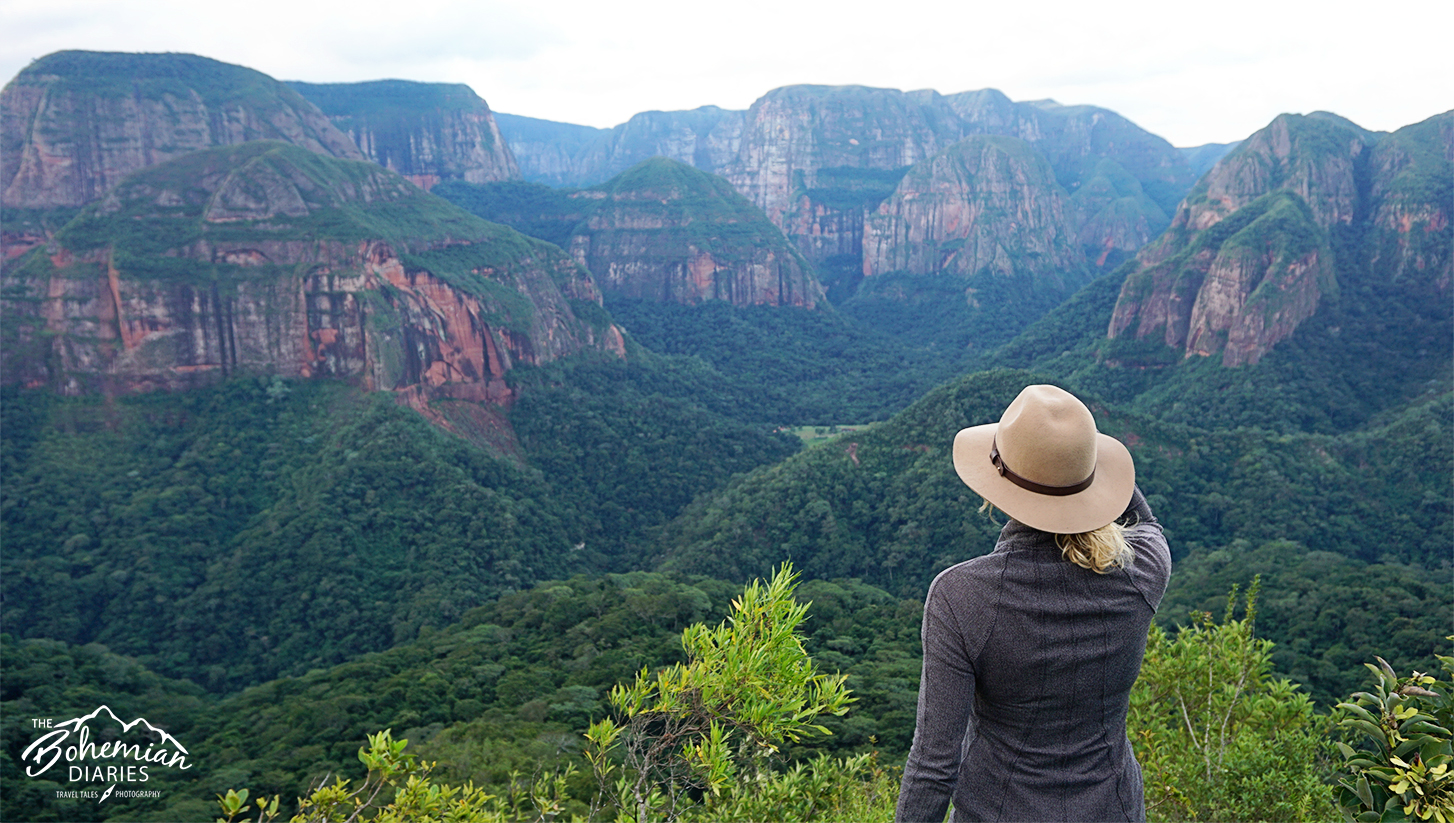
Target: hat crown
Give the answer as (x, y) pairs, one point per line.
(1048, 436)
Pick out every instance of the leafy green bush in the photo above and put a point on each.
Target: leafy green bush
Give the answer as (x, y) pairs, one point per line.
(1400, 771)
(700, 726)
(1218, 738)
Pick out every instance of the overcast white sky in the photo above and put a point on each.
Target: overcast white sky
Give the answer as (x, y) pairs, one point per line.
(1191, 72)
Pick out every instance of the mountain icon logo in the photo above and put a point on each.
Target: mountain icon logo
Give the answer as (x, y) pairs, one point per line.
(101, 747)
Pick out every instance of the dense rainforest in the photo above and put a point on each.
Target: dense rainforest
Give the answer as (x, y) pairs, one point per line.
(470, 481)
(615, 467)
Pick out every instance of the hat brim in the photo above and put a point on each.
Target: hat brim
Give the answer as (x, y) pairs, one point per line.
(1102, 502)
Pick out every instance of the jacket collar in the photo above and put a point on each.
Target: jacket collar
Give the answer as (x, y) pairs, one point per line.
(1016, 536)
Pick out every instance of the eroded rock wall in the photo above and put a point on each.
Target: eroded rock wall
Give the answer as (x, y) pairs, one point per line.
(76, 123)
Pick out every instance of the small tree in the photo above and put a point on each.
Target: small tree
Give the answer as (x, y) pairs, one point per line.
(694, 728)
(1400, 770)
(1217, 737)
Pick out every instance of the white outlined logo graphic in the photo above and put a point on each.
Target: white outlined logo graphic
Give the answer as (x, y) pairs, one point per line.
(101, 748)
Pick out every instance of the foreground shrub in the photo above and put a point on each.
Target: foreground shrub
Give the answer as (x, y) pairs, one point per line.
(1219, 738)
(1398, 767)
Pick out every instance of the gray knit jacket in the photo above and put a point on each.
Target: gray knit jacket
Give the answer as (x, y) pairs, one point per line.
(1028, 666)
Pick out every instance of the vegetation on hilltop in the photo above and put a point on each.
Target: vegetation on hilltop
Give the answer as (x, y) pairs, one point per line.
(286, 211)
(268, 190)
(849, 187)
(530, 208)
(680, 204)
(387, 99)
(155, 76)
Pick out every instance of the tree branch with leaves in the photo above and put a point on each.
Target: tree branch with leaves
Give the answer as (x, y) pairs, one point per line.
(690, 730)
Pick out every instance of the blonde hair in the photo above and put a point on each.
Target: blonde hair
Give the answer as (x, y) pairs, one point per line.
(1099, 550)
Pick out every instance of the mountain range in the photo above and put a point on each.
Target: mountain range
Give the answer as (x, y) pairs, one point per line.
(314, 392)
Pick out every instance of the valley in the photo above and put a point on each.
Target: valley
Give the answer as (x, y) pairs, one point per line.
(335, 408)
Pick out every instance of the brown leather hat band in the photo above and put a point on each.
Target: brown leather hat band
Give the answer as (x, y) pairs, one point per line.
(1031, 485)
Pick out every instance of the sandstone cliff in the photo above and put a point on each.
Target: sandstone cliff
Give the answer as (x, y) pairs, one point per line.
(816, 159)
(263, 257)
(427, 132)
(985, 204)
(549, 152)
(75, 123)
(665, 231)
(800, 140)
(1250, 252)
(1235, 291)
(706, 138)
(1411, 204)
(1313, 156)
(564, 154)
(792, 132)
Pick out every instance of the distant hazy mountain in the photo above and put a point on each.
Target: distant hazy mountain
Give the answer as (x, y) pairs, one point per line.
(983, 204)
(547, 151)
(661, 231)
(1203, 157)
(427, 132)
(816, 158)
(565, 154)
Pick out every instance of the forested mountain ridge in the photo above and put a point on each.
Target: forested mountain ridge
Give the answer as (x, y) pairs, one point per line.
(1250, 253)
(143, 523)
(849, 174)
(506, 688)
(427, 132)
(1299, 327)
(75, 123)
(278, 565)
(814, 158)
(266, 257)
(660, 231)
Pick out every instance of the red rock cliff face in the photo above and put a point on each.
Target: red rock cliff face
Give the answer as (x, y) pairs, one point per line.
(986, 203)
(800, 145)
(76, 123)
(1249, 255)
(1411, 211)
(1250, 299)
(821, 231)
(355, 312)
(1236, 295)
(446, 315)
(426, 132)
(1313, 157)
(666, 232)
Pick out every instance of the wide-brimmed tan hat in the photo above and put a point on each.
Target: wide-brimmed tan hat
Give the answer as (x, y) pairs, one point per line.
(1045, 464)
